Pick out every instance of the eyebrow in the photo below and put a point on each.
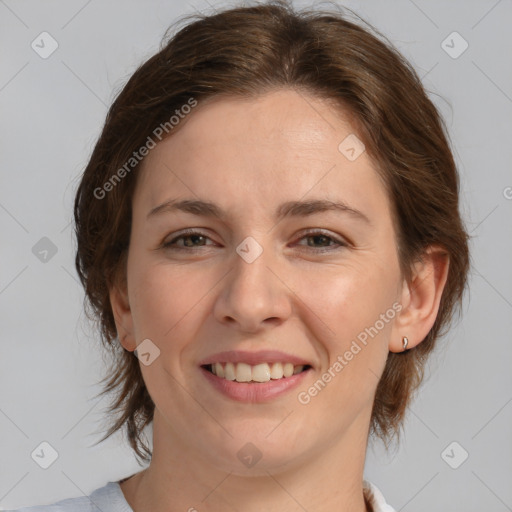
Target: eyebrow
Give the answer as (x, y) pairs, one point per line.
(288, 209)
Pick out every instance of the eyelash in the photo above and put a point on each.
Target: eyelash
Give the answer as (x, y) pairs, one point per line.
(186, 234)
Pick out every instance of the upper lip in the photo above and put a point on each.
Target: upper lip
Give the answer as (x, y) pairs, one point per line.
(253, 358)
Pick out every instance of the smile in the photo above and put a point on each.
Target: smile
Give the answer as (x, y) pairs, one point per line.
(255, 377)
(263, 372)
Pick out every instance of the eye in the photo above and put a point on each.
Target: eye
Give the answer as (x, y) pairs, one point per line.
(317, 240)
(321, 240)
(191, 240)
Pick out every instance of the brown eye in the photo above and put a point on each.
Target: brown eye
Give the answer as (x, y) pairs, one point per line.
(191, 239)
(321, 240)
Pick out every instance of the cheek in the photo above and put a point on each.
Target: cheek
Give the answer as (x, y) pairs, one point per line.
(349, 297)
(353, 314)
(164, 296)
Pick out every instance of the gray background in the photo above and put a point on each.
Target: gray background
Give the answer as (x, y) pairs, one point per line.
(52, 111)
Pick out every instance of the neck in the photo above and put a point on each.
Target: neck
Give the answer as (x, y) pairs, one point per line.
(178, 480)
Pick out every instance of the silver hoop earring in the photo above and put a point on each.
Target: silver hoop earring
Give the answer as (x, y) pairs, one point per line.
(405, 341)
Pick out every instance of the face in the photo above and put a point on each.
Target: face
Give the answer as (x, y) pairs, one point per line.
(238, 269)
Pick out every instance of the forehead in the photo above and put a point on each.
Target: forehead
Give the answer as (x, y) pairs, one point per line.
(283, 117)
(282, 143)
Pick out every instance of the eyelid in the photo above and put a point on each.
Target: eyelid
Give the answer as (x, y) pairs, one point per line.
(184, 233)
(321, 231)
(339, 240)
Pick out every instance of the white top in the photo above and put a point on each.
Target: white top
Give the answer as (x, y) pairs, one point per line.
(110, 498)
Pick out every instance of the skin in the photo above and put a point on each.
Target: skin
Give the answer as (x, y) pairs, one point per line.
(248, 156)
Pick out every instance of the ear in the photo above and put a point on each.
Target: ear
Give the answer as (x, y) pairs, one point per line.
(118, 294)
(420, 298)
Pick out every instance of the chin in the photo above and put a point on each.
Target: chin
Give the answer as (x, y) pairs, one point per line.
(255, 453)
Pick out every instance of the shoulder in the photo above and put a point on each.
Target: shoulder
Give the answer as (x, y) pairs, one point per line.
(379, 502)
(107, 498)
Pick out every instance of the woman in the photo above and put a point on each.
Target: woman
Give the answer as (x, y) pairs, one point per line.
(269, 222)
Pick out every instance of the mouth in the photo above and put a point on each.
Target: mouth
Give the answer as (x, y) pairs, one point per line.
(255, 377)
(259, 373)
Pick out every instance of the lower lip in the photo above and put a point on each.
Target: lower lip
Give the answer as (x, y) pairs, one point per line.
(254, 392)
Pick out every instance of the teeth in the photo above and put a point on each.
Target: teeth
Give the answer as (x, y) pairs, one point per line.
(288, 369)
(263, 372)
(276, 371)
(219, 370)
(243, 372)
(229, 371)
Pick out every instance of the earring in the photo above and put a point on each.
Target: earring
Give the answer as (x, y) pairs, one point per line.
(405, 341)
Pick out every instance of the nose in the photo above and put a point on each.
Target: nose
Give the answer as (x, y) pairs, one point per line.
(253, 295)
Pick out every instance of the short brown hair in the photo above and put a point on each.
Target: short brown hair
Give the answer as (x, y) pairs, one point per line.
(247, 51)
